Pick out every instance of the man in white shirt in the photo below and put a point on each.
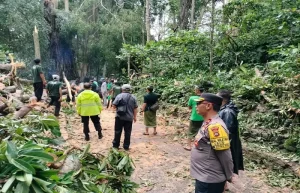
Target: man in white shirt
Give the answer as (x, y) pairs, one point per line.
(104, 92)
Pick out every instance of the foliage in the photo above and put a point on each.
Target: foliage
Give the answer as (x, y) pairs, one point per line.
(28, 162)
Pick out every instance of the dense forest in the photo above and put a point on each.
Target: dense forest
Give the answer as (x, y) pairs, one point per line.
(250, 47)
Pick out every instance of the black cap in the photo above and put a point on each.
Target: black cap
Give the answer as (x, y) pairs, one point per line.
(37, 60)
(215, 99)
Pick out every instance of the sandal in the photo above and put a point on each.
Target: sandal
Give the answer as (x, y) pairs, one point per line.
(155, 133)
(188, 148)
(145, 133)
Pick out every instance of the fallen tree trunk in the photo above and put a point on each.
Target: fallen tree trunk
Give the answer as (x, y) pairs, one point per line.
(67, 85)
(22, 112)
(271, 160)
(10, 89)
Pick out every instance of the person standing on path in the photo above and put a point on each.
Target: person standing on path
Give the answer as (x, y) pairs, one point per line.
(104, 92)
(211, 160)
(149, 115)
(116, 90)
(88, 105)
(54, 91)
(196, 120)
(126, 105)
(228, 114)
(39, 80)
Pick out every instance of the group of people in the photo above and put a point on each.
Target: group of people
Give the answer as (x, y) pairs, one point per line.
(216, 150)
(213, 134)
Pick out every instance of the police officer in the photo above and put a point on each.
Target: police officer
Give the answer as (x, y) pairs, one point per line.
(54, 91)
(211, 161)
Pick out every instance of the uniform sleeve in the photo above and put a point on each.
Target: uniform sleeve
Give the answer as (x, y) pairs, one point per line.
(39, 70)
(78, 104)
(145, 99)
(117, 100)
(98, 102)
(228, 117)
(226, 162)
(190, 103)
(135, 103)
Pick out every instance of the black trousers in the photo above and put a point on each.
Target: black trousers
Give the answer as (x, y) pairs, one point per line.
(96, 121)
(38, 90)
(203, 187)
(73, 98)
(55, 101)
(119, 125)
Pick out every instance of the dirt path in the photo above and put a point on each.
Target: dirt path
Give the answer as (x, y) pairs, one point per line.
(162, 166)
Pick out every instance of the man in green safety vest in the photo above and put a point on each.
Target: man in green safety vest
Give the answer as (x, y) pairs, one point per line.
(88, 105)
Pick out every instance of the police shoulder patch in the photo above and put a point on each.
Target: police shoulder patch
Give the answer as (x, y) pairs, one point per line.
(218, 136)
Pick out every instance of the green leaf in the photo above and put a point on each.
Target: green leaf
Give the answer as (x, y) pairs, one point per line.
(86, 150)
(28, 179)
(20, 177)
(37, 188)
(47, 174)
(8, 184)
(22, 165)
(22, 187)
(43, 184)
(11, 151)
(39, 155)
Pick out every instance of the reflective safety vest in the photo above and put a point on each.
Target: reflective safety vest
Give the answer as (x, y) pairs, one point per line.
(88, 103)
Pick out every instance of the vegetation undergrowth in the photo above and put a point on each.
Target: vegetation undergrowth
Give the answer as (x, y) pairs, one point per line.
(30, 161)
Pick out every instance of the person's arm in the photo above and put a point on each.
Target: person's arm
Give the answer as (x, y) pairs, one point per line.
(78, 105)
(98, 102)
(144, 104)
(135, 111)
(226, 162)
(116, 102)
(190, 103)
(42, 76)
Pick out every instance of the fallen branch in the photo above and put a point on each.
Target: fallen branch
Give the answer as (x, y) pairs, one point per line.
(68, 85)
(272, 160)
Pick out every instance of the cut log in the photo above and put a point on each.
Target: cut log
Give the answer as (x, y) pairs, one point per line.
(10, 89)
(25, 81)
(67, 85)
(22, 112)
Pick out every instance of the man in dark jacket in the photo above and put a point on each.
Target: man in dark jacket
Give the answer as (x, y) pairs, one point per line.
(124, 118)
(228, 113)
(54, 91)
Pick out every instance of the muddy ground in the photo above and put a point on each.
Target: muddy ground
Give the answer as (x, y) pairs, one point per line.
(162, 165)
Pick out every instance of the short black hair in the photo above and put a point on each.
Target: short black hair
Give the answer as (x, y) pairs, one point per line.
(150, 88)
(216, 107)
(200, 88)
(225, 94)
(37, 60)
(86, 85)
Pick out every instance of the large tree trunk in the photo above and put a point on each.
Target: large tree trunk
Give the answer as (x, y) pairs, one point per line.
(148, 20)
(193, 14)
(185, 6)
(67, 5)
(212, 27)
(60, 50)
(36, 43)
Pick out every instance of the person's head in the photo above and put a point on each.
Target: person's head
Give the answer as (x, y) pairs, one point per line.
(126, 88)
(149, 89)
(87, 86)
(37, 61)
(208, 104)
(226, 95)
(199, 90)
(55, 77)
(86, 79)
